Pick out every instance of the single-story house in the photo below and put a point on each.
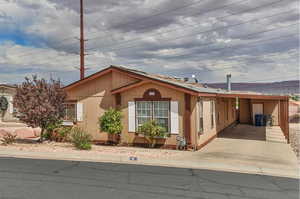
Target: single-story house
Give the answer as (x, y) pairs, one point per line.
(7, 92)
(185, 108)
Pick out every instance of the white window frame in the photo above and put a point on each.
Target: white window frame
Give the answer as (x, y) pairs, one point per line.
(75, 108)
(152, 117)
(200, 116)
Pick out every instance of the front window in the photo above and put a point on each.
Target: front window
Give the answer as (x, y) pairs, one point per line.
(212, 110)
(153, 110)
(200, 108)
(70, 112)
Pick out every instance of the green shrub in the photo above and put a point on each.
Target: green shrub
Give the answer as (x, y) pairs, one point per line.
(61, 134)
(111, 123)
(80, 139)
(8, 138)
(151, 130)
(50, 128)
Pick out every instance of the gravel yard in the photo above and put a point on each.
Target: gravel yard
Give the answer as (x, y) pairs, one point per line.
(96, 150)
(295, 135)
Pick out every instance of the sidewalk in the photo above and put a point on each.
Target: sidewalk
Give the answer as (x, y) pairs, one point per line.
(171, 161)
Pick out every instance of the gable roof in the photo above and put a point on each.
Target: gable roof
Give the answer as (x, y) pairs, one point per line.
(195, 87)
(177, 83)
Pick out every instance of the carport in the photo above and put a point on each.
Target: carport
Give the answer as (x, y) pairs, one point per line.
(275, 106)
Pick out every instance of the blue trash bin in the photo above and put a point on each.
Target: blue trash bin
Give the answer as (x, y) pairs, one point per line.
(259, 119)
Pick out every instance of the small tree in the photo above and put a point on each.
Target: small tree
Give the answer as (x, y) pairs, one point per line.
(40, 103)
(151, 130)
(110, 122)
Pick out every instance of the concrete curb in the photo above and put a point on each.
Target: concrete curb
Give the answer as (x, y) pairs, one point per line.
(217, 166)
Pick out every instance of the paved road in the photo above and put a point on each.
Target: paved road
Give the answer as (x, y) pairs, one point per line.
(43, 179)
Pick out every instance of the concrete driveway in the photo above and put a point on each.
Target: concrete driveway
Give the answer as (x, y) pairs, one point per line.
(247, 149)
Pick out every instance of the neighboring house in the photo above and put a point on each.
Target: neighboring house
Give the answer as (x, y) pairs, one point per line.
(7, 92)
(184, 108)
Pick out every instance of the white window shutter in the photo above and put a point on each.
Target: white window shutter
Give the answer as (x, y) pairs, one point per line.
(174, 118)
(79, 110)
(10, 105)
(131, 116)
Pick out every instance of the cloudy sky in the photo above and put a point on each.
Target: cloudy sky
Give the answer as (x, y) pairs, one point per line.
(254, 40)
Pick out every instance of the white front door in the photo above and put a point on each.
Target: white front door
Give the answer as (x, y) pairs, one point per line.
(257, 109)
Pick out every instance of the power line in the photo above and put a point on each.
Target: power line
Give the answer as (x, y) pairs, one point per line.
(233, 47)
(157, 14)
(217, 18)
(207, 31)
(244, 11)
(207, 11)
(245, 44)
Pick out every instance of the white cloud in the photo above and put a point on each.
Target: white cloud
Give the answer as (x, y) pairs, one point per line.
(148, 36)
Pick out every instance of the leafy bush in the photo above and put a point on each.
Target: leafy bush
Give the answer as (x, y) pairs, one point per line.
(8, 138)
(80, 139)
(151, 130)
(110, 122)
(50, 128)
(61, 134)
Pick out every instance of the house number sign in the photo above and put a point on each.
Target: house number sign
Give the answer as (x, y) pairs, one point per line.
(151, 93)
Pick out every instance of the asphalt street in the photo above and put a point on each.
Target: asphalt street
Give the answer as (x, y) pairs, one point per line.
(49, 179)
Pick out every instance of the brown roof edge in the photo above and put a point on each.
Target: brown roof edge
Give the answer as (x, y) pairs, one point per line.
(254, 96)
(149, 79)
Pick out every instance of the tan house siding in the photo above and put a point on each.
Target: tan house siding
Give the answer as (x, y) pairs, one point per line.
(208, 131)
(119, 80)
(244, 111)
(270, 107)
(96, 98)
(130, 95)
(226, 112)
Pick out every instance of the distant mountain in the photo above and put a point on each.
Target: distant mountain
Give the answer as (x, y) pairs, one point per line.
(284, 87)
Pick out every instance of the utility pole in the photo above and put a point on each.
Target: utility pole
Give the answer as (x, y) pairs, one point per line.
(82, 68)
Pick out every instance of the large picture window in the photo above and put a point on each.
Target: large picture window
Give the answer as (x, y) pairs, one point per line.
(153, 110)
(70, 112)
